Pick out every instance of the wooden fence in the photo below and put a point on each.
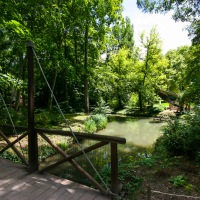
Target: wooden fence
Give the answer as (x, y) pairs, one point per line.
(102, 141)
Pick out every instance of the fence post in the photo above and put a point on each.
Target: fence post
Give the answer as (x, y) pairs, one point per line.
(148, 193)
(32, 135)
(115, 186)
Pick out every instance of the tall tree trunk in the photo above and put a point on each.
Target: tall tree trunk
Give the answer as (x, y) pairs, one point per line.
(120, 106)
(17, 103)
(86, 90)
(75, 51)
(140, 101)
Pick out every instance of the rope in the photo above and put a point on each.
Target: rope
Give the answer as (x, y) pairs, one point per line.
(176, 195)
(70, 127)
(14, 129)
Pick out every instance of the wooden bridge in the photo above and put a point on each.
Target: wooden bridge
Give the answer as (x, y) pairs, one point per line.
(16, 183)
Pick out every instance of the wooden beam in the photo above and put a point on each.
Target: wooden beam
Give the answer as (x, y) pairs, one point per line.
(88, 136)
(13, 148)
(77, 166)
(32, 134)
(81, 135)
(115, 186)
(79, 153)
(14, 142)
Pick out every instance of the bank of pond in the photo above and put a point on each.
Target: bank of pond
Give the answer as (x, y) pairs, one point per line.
(138, 152)
(140, 136)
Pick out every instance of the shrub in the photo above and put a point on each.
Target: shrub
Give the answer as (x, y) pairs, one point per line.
(45, 151)
(11, 156)
(178, 181)
(156, 109)
(42, 118)
(131, 183)
(18, 117)
(63, 145)
(133, 102)
(100, 121)
(102, 109)
(95, 122)
(90, 126)
(183, 137)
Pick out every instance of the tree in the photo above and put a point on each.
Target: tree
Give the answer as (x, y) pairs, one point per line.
(176, 69)
(192, 77)
(114, 80)
(69, 39)
(150, 66)
(112, 75)
(186, 11)
(183, 10)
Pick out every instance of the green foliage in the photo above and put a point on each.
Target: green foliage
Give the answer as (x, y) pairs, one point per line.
(100, 121)
(90, 126)
(156, 109)
(178, 181)
(105, 173)
(149, 162)
(63, 145)
(46, 118)
(45, 151)
(132, 102)
(189, 188)
(183, 137)
(182, 11)
(95, 122)
(61, 49)
(102, 108)
(18, 117)
(131, 183)
(10, 156)
(148, 69)
(43, 118)
(70, 59)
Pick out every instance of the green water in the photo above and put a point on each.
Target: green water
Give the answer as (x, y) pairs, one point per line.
(140, 135)
(137, 131)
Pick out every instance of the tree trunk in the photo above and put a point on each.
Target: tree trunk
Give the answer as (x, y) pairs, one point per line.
(75, 51)
(140, 101)
(120, 106)
(21, 66)
(86, 90)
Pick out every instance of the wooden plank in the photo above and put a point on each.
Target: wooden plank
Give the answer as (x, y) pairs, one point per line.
(95, 136)
(16, 191)
(18, 184)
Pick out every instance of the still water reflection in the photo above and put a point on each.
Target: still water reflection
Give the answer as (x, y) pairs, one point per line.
(137, 131)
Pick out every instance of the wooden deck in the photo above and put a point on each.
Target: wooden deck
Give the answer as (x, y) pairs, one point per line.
(17, 184)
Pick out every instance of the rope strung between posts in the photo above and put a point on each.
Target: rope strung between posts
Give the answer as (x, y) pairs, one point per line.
(70, 127)
(14, 129)
(175, 195)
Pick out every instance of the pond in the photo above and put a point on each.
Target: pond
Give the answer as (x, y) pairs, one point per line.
(140, 135)
(137, 131)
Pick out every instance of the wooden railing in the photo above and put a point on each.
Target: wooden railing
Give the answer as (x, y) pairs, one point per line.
(103, 140)
(33, 132)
